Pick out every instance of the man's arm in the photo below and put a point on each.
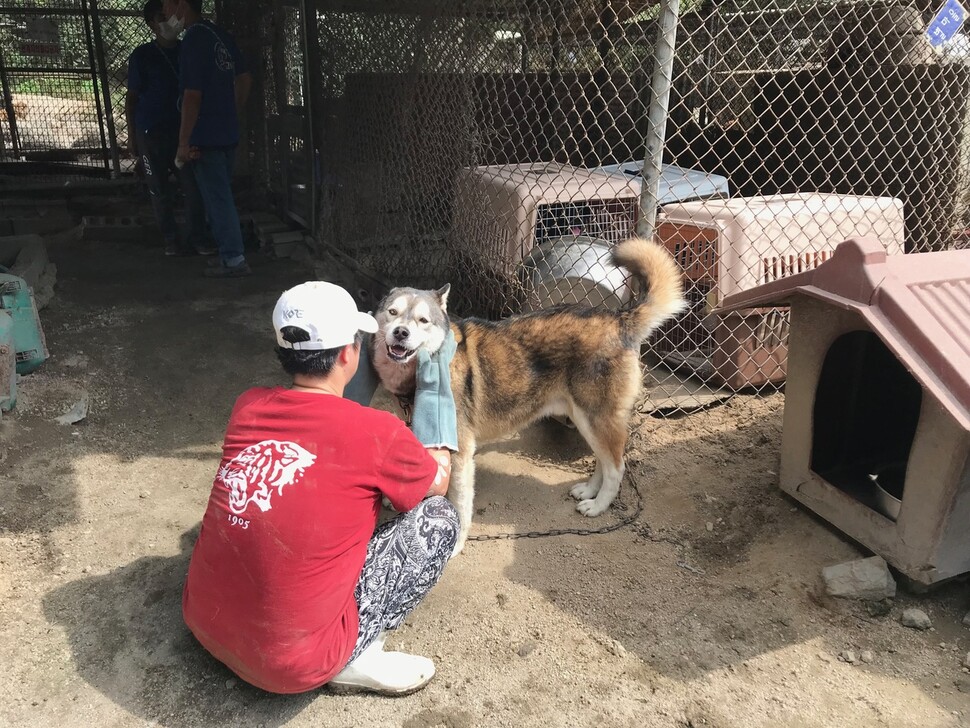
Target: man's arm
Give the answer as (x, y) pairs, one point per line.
(244, 82)
(443, 479)
(408, 472)
(191, 104)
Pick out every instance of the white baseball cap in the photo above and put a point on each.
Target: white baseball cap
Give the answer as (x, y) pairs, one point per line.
(326, 312)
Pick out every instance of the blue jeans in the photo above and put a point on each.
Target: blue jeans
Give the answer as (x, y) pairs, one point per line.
(157, 149)
(213, 174)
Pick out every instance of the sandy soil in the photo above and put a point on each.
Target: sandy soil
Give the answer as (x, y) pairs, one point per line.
(707, 612)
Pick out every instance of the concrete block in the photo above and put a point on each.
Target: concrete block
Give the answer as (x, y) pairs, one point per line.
(40, 225)
(31, 263)
(266, 229)
(26, 257)
(862, 579)
(118, 227)
(23, 207)
(11, 245)
(257, 218)
(113, 221)
(285, 244)
(264, 233)
(44, 290)
(289, 236)
(23, 218)
(285, 250)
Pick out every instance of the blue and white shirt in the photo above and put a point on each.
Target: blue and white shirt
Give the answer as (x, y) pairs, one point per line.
(153, 76)
(210, 60)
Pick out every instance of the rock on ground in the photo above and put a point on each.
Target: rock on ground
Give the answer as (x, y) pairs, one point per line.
(916, 618)
(862, 579)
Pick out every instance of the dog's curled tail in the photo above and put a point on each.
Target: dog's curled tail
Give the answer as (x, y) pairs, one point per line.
(656, 269)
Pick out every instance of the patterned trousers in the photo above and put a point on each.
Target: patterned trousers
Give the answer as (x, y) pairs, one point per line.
(405, 558)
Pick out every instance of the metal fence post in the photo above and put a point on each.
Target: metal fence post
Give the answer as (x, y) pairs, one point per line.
(311, 101)
(8, 105)
(102, 71)
(86, 15)
(663, 74)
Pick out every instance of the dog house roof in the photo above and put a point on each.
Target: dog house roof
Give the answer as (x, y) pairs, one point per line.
(918, 304)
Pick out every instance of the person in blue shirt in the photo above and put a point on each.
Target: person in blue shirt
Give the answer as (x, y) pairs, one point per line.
(151, 109)
(214, 87)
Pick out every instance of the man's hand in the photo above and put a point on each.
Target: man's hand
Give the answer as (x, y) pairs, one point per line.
(187, 154)
(442, 456)
(191, 105)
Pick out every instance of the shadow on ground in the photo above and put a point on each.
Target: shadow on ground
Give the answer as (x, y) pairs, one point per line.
(128, 640)
(159, 352)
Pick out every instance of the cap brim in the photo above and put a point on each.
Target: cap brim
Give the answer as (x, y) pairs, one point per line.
(366, 323)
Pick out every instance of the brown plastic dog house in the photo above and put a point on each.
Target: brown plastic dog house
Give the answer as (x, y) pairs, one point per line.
(877, 403)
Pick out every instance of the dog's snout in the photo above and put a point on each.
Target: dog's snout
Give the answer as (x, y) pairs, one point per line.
(401, 333)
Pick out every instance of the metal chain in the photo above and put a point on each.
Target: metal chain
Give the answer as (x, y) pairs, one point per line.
(625, 521)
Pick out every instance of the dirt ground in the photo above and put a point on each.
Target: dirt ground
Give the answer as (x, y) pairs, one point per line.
(707, 612)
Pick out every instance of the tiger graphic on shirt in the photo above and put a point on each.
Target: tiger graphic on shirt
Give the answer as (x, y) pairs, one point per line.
(262, 469)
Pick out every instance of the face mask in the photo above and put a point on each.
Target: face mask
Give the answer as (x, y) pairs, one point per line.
(167, 32)
(172, 26)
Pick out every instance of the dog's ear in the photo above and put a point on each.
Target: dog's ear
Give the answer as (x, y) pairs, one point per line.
(386, 300)
(442, 294)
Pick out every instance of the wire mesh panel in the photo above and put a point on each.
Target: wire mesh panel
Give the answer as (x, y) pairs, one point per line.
(52, 114)
(276, 151)
(64, 68)
(499, 145)
(830, 121)
(121, 28)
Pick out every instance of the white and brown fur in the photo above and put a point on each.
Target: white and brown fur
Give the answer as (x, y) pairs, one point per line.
(576, 361)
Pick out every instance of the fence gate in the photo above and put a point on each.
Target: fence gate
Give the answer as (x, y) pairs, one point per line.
(287, 103)
(63, 69)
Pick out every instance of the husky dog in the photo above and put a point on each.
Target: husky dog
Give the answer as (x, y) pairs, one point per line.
(570, 360)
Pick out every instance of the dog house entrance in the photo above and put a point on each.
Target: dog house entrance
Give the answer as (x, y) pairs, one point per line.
(867, 408)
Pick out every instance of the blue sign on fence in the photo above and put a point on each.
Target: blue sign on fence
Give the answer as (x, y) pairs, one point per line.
(947, 23)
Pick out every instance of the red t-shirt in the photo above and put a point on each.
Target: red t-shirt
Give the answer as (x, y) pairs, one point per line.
(270, 588)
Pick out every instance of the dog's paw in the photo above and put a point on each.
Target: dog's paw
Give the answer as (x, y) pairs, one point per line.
(590, 508)
(584, 491)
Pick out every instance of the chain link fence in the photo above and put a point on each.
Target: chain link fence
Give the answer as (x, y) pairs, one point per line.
(64, 73)
(499, 146)
(277, 154)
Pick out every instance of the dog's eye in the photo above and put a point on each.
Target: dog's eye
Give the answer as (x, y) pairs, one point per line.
(392, 312)
(423, 320)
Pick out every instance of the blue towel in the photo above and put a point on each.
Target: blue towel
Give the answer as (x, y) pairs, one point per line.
(433, 421)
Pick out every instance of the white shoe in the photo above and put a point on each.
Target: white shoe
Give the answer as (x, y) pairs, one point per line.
(381, 639)
(386, 673)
